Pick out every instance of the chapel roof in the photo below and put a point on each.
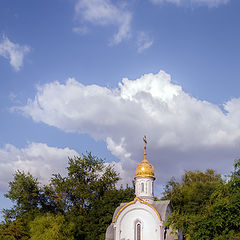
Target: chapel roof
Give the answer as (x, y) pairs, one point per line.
(162, 207)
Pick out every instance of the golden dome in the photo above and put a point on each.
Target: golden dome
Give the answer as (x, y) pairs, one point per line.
(144, 169)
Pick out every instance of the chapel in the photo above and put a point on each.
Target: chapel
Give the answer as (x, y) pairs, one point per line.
(143, 218)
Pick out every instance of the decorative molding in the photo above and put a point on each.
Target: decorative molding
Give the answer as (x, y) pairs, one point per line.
(132, 202)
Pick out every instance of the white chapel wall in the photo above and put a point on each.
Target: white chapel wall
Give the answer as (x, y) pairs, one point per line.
(151, 226)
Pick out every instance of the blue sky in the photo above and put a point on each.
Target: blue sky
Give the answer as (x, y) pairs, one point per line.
(61, 66)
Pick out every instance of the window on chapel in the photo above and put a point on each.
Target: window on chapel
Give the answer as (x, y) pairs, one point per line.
(138, 231)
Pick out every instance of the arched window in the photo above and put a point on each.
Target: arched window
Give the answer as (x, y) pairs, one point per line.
(142, 187)
(138, 230)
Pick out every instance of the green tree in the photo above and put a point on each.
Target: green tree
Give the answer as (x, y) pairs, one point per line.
(102, 211)
(14, 230)
(24, 192)
(87, 197)
(221, 219)
(189, 198)
(50, 226)
(88, 178)
(205, 207)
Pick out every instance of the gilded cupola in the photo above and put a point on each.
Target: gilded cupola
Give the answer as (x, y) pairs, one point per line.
(144, 168)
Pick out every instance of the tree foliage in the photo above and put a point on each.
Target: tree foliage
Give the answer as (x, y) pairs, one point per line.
(14, 230)
(204, 206)
(24, 192)
(80, 205)
(50, 226)
(77, 206)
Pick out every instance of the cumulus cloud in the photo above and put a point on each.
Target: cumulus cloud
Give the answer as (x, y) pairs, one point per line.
(13, 52)
(37, 158)
(183, 132)
(118, 149)
(209, 3)
(143, 42)
(105, 13)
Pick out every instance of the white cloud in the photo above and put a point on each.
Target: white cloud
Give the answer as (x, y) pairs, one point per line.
(166, 1)
(104, 13)
(81, 30)
(209, 3)
(13, 52)
(37, 158)
(183, 132)
(119, 150)
(143, 42)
